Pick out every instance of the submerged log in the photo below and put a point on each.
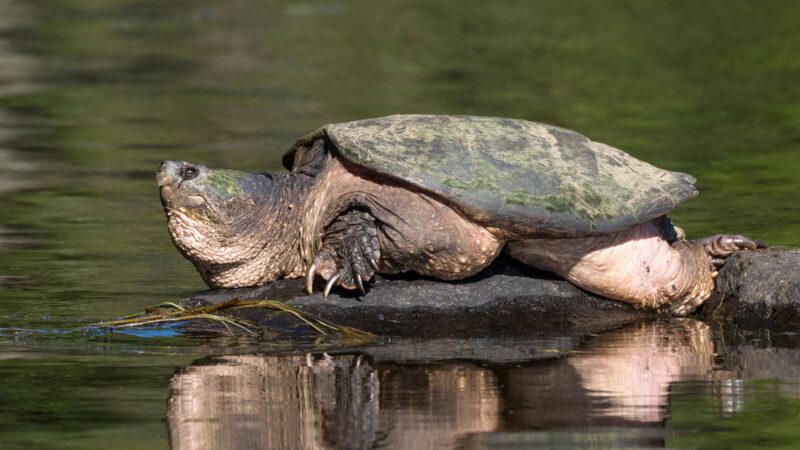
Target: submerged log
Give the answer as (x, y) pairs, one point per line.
(754, 290)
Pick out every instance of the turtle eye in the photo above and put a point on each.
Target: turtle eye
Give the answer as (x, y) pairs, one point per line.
(188, 172)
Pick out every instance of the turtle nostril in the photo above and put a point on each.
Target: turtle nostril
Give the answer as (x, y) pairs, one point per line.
(188, 172)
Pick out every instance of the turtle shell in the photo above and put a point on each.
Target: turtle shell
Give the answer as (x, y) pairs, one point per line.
(531, 179)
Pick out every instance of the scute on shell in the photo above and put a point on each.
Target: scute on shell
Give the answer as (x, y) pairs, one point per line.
(532, 179)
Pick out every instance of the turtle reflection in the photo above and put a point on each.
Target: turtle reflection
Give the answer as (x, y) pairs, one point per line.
(348, 401)
(321, 401)
(620, 378)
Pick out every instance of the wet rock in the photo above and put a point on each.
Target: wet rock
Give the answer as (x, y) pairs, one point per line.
(507, 298)
(758, 290)
(755, 290)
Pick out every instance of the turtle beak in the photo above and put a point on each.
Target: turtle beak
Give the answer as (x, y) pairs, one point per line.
(168, 173)
(169, 176)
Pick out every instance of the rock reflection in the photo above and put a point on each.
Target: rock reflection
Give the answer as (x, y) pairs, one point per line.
(750, 362)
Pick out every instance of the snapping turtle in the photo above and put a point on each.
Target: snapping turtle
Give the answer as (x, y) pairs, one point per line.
(442, 196)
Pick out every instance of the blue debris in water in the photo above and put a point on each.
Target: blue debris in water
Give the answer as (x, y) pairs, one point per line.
(149, 332)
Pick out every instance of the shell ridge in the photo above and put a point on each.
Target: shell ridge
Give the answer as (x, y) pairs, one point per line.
(529, 177)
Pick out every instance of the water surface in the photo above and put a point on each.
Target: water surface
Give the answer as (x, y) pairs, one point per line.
(93, 93)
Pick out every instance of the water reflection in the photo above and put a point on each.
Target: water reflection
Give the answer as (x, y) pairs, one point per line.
(629, 375)
(620, 378)
(18, 69)
(16, 72)
(15, 170)
(319, 401)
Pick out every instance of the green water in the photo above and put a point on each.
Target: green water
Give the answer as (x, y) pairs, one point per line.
(94, 93)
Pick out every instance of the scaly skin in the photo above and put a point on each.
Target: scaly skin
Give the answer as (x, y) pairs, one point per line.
(343, 224)
(416, 232)
(350, 252)
(637, 265)
(237, 228)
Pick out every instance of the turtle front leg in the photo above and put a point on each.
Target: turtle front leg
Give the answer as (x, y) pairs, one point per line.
(350, 253)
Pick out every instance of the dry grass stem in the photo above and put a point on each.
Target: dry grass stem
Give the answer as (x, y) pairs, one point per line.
(167, 312)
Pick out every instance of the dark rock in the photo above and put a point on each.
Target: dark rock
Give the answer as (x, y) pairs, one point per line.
(758, 290)
(755, 290)
(507, 298)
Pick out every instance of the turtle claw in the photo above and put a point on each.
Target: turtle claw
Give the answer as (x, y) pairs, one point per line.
(310, 278)
(330, 284)
(372, 263)
(349, 255)
(720, 246)
(360, 284)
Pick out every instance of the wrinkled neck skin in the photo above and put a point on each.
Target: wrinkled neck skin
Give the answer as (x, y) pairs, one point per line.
(255, 241)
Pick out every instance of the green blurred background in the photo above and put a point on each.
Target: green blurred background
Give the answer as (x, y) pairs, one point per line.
(93, 93)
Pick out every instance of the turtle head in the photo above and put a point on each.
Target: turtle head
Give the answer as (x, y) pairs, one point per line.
(213, 197)
(215, 216)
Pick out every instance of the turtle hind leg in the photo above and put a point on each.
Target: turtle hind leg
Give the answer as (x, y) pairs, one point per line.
(350, 253)
(710, 252)
(720, 246)
(642, 265)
